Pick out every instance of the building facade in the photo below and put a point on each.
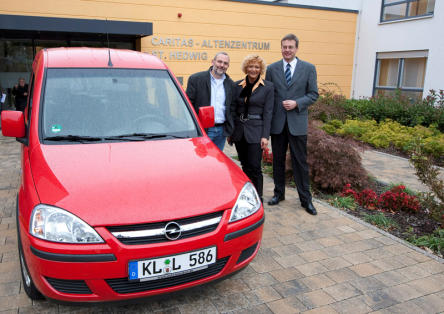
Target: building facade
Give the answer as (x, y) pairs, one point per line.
(184, 34)
(399, 47)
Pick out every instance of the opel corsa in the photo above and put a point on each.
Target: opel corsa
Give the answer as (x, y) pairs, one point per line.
(122, 193)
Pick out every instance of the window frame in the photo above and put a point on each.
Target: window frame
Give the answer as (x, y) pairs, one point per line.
(407, 8)
(401, 61)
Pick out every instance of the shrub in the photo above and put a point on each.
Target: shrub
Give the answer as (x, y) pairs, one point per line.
(347, 202)
(395, 199)
(368, 199)
(435, 99)
(432, 206)
(397, 108)
(406, 189)
(333, 161)
(326, 109)
(434, 241)
(426, 171)
(390, 134)
(428, 174)
(329, 105)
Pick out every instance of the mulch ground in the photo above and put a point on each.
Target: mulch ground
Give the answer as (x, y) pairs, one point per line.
(408, 225)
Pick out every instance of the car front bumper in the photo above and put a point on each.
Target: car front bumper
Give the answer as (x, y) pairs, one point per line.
(99, 272)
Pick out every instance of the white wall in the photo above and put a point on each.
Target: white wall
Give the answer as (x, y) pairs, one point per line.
(415, 34)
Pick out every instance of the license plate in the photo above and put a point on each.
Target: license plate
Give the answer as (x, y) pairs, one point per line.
(173, 265)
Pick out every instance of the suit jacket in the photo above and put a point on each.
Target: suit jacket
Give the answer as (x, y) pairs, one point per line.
(261, 103)
(199, 93)
(303, 89)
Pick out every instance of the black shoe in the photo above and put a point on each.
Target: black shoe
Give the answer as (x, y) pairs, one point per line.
(275, 200)
(309, 208)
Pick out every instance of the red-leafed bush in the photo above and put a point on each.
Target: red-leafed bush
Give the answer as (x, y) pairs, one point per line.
(348, 191)
(368, 199)
(333, 161)
(395, 199)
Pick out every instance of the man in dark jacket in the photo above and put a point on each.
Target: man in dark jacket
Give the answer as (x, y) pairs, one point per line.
(20, 92)
(214, 88)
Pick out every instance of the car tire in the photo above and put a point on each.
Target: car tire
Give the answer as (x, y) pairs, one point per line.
(28, 285)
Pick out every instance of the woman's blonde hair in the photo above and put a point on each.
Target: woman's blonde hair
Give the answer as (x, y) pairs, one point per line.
(253, 59)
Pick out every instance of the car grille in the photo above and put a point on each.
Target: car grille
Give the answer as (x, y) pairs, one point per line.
(155, 232)
(69, 286)
(123, 285)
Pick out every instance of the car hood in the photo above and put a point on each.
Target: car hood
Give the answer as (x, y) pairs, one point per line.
(136, 182)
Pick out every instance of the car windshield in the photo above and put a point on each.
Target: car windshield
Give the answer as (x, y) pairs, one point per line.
(87, 105)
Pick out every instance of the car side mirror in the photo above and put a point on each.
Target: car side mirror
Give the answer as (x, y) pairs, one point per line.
(13, 123)
(206, 116)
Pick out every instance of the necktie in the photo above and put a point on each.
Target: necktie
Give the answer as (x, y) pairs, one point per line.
(288, 73)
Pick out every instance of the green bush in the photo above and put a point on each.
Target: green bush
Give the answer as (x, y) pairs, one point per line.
(390, 134)
(381, 221)
(347, 202)
(434, 241)
(397, 108)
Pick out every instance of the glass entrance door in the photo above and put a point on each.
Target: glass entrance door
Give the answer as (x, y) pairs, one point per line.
(16, 58)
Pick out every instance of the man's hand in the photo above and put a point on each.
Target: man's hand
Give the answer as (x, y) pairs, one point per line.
(264, 143)
(230, 141)
(289, 104)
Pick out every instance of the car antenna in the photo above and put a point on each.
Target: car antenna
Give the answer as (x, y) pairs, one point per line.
(110, 64)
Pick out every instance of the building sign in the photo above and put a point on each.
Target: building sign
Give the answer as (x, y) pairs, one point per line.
(198, 48)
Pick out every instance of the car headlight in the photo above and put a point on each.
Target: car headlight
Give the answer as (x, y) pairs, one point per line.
(58, 225)
(247, 203)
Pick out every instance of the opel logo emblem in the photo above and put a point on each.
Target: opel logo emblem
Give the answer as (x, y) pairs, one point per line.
(172, 231)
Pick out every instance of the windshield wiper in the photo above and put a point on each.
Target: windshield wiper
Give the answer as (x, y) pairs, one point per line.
(73, 138)
(141, 136)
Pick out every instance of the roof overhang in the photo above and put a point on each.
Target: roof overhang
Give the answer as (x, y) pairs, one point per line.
(54, 27)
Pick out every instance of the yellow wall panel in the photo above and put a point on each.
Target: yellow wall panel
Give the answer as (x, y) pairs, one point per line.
(327, 38)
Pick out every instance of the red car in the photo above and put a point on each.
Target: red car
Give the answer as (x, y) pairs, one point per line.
(122, 193)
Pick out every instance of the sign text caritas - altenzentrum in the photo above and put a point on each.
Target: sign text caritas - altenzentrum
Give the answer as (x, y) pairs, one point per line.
(179, 42)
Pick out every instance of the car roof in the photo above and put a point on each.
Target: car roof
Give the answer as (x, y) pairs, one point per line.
(83, 57)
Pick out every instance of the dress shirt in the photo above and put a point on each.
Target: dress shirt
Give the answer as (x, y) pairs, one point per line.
(292, 65)
(218, 98)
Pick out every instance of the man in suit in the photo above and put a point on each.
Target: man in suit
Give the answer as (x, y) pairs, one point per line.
(214, 88)
(295, 88)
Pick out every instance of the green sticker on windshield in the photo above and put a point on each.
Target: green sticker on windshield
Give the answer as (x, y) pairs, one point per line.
(56, 128)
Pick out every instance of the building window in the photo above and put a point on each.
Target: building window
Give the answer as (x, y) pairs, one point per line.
(402, 9)
(403, 71)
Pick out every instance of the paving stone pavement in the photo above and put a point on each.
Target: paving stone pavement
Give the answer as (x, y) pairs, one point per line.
(393, 169)
(330, 263)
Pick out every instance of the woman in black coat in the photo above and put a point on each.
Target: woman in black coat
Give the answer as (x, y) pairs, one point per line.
(252, 110)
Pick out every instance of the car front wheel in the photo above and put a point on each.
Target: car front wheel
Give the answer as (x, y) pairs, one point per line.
(30, 289)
